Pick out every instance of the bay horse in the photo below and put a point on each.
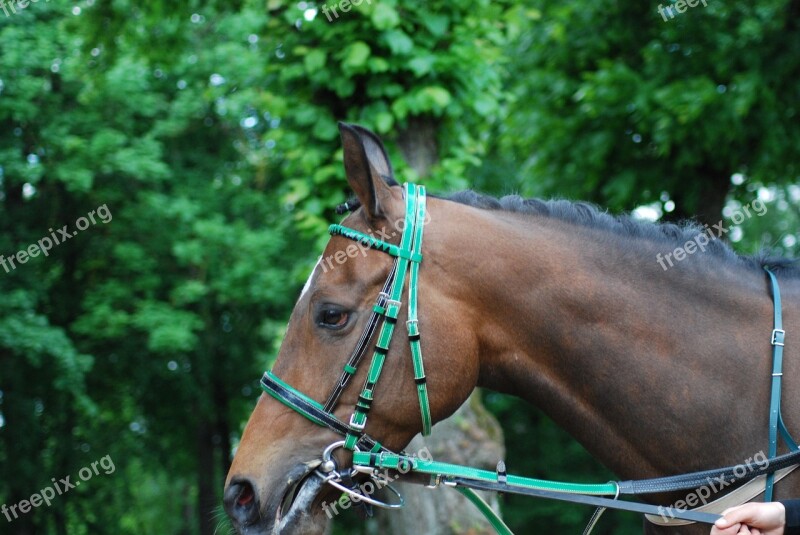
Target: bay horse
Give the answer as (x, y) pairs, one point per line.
(655, 370)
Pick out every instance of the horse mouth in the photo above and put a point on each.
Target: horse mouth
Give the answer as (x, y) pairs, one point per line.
(302, 489)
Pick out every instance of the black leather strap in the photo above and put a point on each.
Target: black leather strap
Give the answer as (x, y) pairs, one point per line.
(314, 412)
(699, 479)
(363, 343)
(584, 499)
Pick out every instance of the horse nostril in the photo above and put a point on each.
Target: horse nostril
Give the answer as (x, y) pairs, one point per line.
(245, 497)
(241, 502)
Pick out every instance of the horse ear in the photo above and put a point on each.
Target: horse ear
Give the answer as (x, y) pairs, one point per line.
(368, 170)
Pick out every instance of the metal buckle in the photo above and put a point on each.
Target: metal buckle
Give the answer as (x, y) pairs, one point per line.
(434, 481)
(775, 334)
(356, 426)
(502, 474)
(361, 469)
(390, 302)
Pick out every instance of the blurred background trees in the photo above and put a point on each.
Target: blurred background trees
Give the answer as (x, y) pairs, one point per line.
(209, 131)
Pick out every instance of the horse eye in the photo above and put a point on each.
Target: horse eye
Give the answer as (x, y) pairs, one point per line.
(333, 318)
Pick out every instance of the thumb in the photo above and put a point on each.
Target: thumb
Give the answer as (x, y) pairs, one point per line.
(724, 522)
(735, 515)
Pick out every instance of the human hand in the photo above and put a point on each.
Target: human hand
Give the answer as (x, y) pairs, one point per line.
(752, 519)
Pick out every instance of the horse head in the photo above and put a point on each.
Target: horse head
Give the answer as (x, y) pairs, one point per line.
(348, 302)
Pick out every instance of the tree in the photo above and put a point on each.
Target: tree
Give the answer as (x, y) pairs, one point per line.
(616, 105)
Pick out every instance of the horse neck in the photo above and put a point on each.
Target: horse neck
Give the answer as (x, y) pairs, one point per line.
(645, 367)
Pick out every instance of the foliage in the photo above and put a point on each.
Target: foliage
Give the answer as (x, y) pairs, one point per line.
(616, 105)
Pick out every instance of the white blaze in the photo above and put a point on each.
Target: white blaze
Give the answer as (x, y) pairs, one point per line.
(310, 278)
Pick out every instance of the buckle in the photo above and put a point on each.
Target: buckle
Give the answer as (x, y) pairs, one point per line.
(434, 482)
(778, 336)
(502, 474)
(393, 302)
(357, 426)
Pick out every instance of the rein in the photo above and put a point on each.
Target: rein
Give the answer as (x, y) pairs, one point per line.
(370, 456)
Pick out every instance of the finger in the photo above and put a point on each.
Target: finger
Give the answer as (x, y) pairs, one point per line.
(730, 516)
(731, 530)
(727, 520)
(739, 515)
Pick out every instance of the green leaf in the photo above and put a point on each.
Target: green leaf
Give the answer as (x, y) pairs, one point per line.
(315, 60)
(421, 65)
(437, 24)
(398, 42)
(378, 64)
(384, 122)
(385, 16)
(356, 55)
(437, 95)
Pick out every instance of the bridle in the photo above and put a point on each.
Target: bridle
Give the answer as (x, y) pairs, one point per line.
(369, 455)
(407, 258)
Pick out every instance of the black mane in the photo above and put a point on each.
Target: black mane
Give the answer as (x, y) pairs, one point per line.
(671, 235)
(585, 214)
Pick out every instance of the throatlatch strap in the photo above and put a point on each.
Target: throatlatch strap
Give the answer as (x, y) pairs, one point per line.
(413, 324)
(775, 417)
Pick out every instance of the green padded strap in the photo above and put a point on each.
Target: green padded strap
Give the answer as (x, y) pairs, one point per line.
(490, 514)
(413, 323)
(446, 470)
(359, 418)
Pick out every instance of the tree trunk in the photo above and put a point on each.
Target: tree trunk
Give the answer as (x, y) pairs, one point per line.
(703, 202)
(206, 499)
(417, 142)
